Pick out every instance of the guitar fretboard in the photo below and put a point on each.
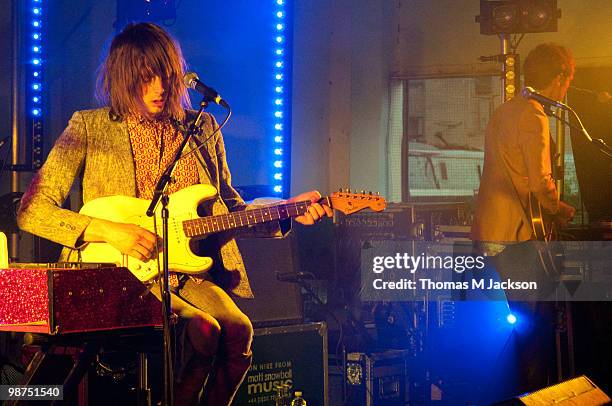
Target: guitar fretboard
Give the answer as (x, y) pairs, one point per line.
(224, 222)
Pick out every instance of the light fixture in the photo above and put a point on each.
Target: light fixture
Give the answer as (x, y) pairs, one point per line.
(518, 16)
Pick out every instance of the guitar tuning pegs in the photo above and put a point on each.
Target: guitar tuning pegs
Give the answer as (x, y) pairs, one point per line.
(370, 193)
(363, 192)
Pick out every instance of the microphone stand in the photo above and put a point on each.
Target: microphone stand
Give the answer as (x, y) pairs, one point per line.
(161, 194)
(597, 142)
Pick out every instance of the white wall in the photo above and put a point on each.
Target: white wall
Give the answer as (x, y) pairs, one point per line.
(340, 75)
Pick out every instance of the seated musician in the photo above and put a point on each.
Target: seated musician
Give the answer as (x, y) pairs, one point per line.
(122, 149)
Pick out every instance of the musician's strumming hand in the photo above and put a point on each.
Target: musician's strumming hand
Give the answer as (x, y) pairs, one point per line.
(316, 211)
(129, 239)
(565, 214)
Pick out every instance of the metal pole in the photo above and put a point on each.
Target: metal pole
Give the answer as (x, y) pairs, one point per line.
(143, 393)
(14, 237)
(560, 153)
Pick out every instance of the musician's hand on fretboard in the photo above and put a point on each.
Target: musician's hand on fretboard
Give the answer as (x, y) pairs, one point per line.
(316, 211)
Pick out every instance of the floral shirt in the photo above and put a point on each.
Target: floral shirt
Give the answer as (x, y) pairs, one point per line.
(154, 144)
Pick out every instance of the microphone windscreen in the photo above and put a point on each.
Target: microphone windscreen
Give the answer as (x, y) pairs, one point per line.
(190, 78)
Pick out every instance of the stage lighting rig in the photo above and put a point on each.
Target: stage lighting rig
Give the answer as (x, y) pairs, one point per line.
(518, 16)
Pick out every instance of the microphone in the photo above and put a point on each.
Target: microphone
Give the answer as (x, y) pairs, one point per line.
(602, 97)
(192, 81)
(293, 277)
(530, 93)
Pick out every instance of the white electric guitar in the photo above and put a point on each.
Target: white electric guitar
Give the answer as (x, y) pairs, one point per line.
(185, 225)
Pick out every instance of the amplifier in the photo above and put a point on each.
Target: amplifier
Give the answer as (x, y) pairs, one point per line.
(275, 302)
(405, 222)
(55, 301)
(396, 221)
(433, 214)
(416, 221)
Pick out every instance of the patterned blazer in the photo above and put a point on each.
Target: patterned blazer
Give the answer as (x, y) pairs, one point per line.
(97, 150)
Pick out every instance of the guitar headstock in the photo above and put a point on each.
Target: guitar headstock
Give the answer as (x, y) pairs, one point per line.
(349, 203)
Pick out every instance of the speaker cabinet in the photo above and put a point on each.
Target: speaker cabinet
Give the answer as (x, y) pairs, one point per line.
(275, 302)
(288, 355)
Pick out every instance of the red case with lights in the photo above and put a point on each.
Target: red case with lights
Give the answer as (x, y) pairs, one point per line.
(57, 301)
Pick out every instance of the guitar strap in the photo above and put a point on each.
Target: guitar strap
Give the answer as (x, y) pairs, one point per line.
(549, 266)
(200, 153)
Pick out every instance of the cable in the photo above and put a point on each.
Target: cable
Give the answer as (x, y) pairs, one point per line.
(598, 142)
(9, 145)
(516, 43)
(217, 130)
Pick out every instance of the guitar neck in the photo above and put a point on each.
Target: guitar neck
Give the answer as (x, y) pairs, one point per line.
(224, 222)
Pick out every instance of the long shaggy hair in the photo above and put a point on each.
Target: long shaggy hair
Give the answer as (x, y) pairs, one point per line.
(545, 62)
(138, 54)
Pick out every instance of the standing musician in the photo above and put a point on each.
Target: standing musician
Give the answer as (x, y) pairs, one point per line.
(517, 153)
(517, 162)
(122, 149)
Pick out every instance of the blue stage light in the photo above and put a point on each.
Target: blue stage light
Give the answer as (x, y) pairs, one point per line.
(279, 124)
(511, 318)
(34, 94)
